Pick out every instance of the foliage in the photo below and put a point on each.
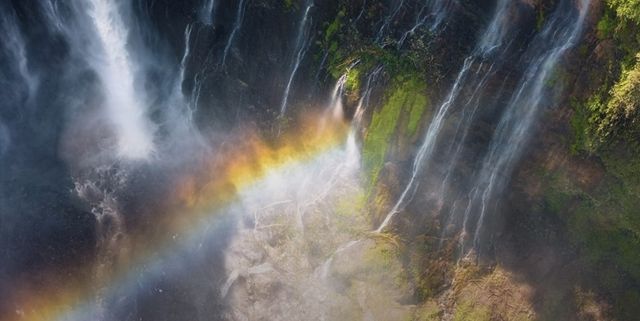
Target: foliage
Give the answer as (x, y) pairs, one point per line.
(612, 113)
(428, 312)
(468, 311)
(605, 222)
(626, 9)
(623, 109)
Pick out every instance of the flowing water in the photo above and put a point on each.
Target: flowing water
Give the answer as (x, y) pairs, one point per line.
(208, 12)
(514, 127)
(235, 226)
(234, 32)
(386, 22)
(301, 46)
(124, 106)
(490, 40)
(559, 35)
(432, 14)
(14, 49)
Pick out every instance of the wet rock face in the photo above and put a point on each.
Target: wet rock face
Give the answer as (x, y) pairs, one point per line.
(260, 59)
(314, 255)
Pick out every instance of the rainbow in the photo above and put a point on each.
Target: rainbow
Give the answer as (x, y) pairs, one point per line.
(198, 200)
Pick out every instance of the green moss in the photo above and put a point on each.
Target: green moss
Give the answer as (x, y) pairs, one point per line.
(349, 212)
(606, 25)
(334, 26)
(353, 80)
(623, 109)
(383, 126)
(405, 94)
(605, 223)
(382, 257)
(612, 113)
(416, 111)
(470, 311)
(428, 312)
(626, 9)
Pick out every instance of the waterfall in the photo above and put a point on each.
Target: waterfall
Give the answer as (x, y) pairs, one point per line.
(356, 124)
(185, 56)
(301, 46)
(18, 85)
(207, 12)
(236, 28)
(515, 126)
(435, 10)
(387, 21)
(321, 67)
(192, 104)
(439, 9)
(125, 108)
(335, 106)
(363, 103)
(50, 8)
(427, 147)
(13, 46)
(362, 10)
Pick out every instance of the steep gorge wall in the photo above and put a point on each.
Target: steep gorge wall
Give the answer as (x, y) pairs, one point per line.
(564, 243)
(572, 201)
(567, 225)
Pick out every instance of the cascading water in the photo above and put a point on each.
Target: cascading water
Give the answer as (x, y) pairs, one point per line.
(236, 28)
(559, 35)
(185, 56)
(335, 106)
(191, 106)
(208, 11)
(365, 98)
(434, 11)
(230, 222)
(14, 48)
(125, 107)
(301, 46)
(386, 22)
(424, 153)
(361, 13)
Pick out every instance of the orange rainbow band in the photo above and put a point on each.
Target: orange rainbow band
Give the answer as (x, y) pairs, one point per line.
(202, 197)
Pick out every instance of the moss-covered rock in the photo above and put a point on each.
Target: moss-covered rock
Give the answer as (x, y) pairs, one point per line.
(406, 97)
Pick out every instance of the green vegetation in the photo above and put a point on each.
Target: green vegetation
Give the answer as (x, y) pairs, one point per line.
(417, 109)
(405, 97)
(626, 9)
(604, 222)
(331, 41)
(468, 311)
(612, 113)
(623, 109)
(428, 312)
(380, 132)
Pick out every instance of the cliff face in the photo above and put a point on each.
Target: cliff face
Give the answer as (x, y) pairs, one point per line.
(564, 236)
(499, 176)
(584, 169)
